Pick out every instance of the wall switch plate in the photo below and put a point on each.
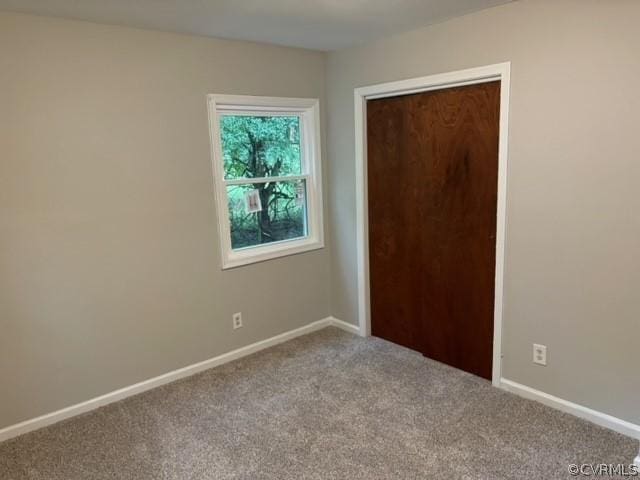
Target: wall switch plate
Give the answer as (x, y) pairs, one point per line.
(237, 320)
(539, 354)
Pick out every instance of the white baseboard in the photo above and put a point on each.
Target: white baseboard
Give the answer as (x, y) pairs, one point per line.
(599, 418)
(594, 416)
(72, 411)
(341, 324)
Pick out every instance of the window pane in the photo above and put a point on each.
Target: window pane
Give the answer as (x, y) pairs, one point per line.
(260, 146)
(267, 212)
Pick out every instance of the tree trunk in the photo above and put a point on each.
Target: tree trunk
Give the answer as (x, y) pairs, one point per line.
(264, 221)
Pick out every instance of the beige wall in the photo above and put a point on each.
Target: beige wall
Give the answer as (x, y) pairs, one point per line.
(573, 227)
(109, 258)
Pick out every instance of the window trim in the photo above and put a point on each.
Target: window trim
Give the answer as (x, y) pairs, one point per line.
(308, 109)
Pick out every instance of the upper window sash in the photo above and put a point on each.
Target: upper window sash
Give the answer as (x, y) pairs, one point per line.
(285, 142)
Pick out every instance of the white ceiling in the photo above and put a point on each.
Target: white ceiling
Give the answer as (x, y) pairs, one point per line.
(316, 24)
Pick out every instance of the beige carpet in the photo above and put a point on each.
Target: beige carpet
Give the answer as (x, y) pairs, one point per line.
(325, 406)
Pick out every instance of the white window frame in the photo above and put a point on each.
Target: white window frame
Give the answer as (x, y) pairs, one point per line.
(308, 110)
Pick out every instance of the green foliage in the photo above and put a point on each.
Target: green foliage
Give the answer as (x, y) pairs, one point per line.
(258, 147)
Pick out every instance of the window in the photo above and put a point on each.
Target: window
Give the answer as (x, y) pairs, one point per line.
(267, 179)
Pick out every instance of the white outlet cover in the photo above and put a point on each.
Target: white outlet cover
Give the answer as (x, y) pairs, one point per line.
(237, 320)
(539, 354)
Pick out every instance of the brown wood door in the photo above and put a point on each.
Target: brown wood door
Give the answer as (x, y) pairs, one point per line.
(432, 162)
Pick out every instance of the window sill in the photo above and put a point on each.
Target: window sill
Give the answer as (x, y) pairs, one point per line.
(263, 253)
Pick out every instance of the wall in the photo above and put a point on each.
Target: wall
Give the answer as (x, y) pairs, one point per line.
(573, 230)
(109, 257)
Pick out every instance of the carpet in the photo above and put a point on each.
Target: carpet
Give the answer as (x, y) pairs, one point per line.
(329, 405)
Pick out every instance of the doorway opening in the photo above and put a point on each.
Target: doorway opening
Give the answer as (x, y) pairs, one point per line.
(392, 117)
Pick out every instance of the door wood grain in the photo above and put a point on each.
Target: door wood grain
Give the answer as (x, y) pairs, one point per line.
(432, 195)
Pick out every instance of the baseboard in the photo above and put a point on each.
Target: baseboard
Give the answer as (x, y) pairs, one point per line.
(599, 418)
(594, 416)
(341, 324)
(68, 412)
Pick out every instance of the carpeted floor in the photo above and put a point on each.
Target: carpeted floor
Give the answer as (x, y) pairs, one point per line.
(329, 405)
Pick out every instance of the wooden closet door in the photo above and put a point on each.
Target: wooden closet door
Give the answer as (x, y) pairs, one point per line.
(432, 189)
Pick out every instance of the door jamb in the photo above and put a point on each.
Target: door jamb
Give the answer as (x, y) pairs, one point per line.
(500, 71)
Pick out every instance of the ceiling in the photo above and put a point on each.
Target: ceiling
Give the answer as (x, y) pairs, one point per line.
(315, 24)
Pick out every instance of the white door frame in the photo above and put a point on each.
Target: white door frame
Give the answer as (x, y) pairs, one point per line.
(500, 71)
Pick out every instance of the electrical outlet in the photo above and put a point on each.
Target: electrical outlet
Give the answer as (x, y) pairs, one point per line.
(540, 354)
(237, 320)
